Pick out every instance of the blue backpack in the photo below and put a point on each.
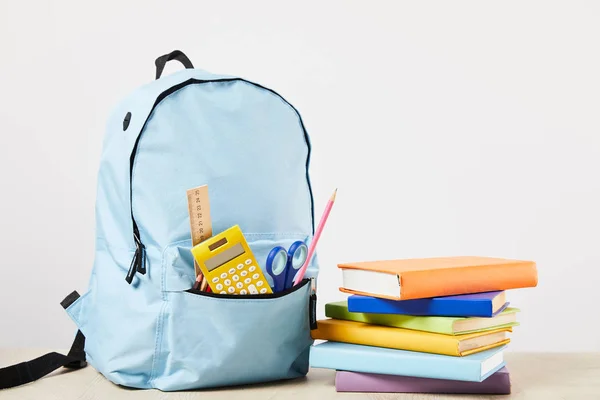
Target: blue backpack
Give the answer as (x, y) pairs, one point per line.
(139, 323)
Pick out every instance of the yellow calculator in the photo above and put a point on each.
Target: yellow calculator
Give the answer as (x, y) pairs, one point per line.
(229, 265)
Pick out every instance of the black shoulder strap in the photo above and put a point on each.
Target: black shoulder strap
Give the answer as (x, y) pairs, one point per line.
(29, 371)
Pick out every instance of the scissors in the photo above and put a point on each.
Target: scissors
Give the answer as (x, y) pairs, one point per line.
(282, 265)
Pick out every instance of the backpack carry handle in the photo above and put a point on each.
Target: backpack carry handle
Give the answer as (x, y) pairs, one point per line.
(174, 55)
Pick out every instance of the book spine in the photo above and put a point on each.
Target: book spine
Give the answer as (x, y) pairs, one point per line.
(434, 324)
(346, 381)
(450, 368)
(420, 307)
(479, 308)
(398, 338)
(452, 281)
(423, 307)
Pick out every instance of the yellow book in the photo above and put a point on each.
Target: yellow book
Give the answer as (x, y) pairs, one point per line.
(406, 339)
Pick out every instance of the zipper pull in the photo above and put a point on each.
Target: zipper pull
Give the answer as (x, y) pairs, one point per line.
(140, 253)
(138, 264)
(313, 304)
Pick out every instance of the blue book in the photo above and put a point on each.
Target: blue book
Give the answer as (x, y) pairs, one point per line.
(378, 360)
(488, 304)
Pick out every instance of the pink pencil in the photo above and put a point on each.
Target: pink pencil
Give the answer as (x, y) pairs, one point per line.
(313, 244)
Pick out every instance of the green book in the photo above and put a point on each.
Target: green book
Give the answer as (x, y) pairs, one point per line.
(445, 325)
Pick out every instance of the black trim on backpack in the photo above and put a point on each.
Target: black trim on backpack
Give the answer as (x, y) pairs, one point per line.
(32, 370)
(263, 296)
(138, 263)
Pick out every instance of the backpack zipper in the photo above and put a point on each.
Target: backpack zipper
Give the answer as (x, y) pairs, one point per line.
(313, 304)
(138, 263)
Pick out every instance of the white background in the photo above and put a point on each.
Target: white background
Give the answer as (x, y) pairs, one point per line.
(450, 128)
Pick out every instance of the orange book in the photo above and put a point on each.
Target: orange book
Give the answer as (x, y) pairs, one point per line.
(433, 277)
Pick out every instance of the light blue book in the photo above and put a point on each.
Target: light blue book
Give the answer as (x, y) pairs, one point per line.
(352, 357)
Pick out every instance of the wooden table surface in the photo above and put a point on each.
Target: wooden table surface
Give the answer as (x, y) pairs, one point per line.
(544, 376)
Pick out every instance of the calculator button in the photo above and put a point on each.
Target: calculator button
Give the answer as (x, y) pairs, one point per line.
(235, 278)
(259, 283)
(243, 291)
(244, 273)
(239, 285)
(252, 268)
(223, 292)
(215, 279)
(227, 282)
(231, 289)
(240, 266)
(224, 275)
(252, 289)
(232, 271)
(263, 290)
(219, 287)
(248, 261)
(247, 281)
(255, 276)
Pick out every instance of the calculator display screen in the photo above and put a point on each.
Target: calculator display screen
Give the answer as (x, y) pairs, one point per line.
(224, 257)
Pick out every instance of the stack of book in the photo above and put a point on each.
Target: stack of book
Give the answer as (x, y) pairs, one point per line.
(437, 325)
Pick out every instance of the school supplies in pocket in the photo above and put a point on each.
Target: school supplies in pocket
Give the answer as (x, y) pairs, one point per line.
(200, 223)
(315, 240)
(283, 265)
(228, 264)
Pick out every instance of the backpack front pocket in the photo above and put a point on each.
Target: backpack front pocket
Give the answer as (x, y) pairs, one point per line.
(210, 340)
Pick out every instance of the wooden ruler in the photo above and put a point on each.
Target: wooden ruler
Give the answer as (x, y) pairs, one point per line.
(200, 222)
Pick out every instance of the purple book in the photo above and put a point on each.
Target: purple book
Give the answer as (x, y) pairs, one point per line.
(345, 381)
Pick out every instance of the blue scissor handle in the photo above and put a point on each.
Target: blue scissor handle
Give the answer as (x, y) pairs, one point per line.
(277, 263)
(296, 257)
